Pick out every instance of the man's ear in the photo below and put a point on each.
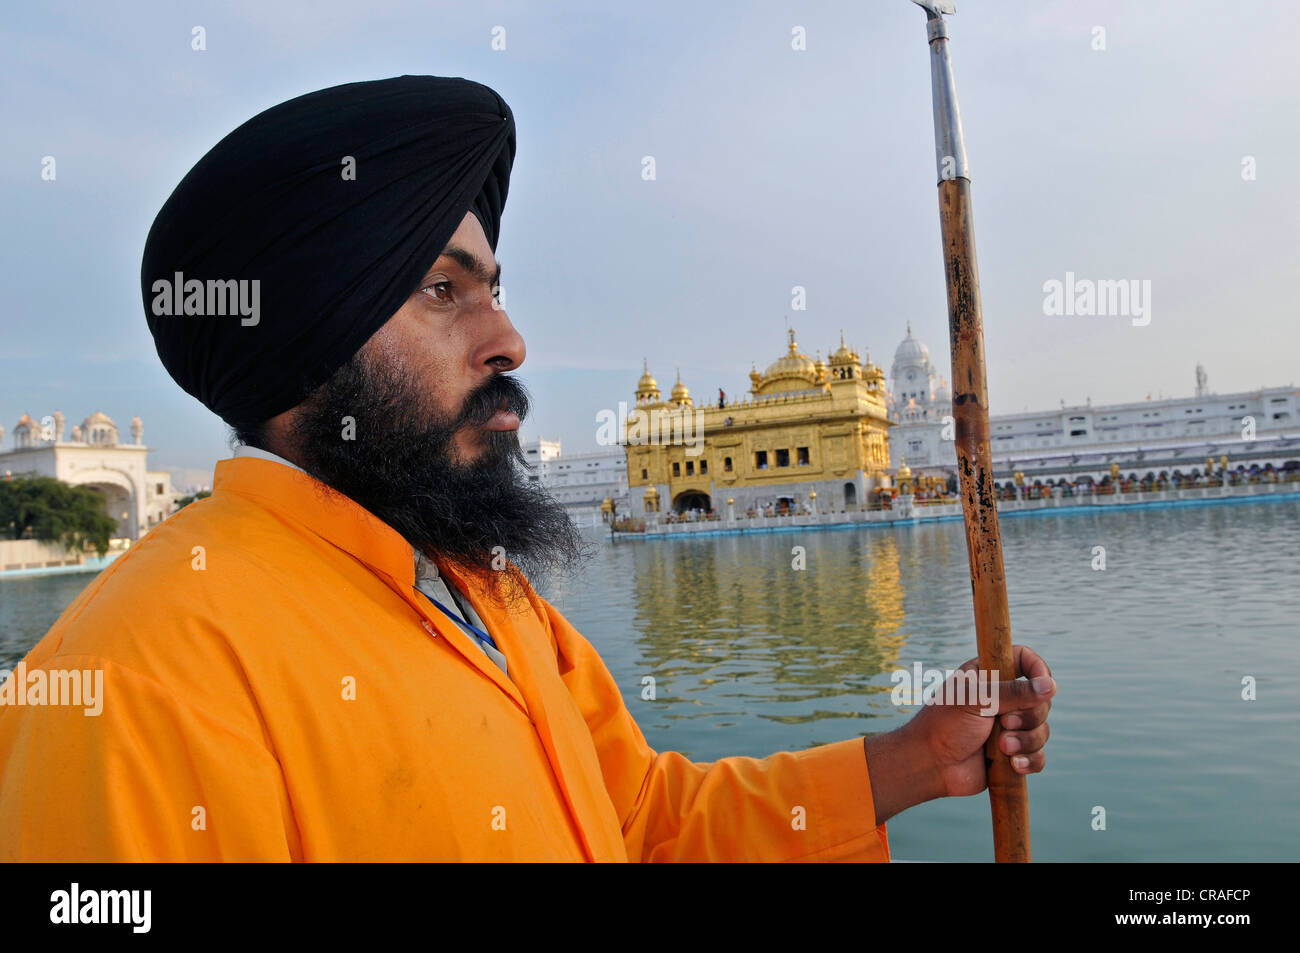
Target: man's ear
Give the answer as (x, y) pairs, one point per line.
(277, 435)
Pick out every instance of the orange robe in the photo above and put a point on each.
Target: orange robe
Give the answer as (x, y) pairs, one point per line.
(275, 689)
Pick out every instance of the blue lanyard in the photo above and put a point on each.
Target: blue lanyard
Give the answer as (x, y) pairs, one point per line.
(467, 626)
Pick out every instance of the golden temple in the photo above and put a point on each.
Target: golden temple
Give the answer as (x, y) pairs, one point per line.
(809, 435)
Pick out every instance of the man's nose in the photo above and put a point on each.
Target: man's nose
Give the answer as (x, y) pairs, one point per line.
(502, 347)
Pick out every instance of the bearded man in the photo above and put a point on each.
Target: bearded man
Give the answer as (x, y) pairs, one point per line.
(339, 655)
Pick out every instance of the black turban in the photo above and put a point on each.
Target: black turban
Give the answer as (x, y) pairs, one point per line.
(336, 203)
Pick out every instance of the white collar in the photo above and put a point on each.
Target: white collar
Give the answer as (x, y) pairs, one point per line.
(244, 450)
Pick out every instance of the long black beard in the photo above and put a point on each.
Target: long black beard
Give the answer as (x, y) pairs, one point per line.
(485, 516)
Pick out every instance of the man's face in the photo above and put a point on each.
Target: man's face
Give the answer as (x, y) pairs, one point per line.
(450, 338)
(429, 448)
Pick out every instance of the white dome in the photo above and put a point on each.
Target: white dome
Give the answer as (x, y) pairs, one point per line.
(911, 351)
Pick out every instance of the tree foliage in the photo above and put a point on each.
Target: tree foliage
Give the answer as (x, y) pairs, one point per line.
(51, 511)
(186, 500)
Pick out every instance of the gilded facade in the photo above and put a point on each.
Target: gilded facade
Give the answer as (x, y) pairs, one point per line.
(810, 435)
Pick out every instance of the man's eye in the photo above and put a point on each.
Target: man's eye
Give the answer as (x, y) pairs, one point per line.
(432, 292)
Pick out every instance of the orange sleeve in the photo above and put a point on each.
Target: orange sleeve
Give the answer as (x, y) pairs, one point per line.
(812, 805)
(150, 778)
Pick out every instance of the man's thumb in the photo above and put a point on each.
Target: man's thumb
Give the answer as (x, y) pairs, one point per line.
(1024, 693)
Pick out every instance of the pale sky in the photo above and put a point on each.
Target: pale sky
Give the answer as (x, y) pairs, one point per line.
(775, 168)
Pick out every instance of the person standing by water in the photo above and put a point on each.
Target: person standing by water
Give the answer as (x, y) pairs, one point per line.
(339, 655)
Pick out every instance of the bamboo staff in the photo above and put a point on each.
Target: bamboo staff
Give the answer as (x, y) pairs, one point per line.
(1008, 793)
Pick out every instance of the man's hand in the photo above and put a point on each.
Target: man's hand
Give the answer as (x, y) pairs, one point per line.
(940, 752)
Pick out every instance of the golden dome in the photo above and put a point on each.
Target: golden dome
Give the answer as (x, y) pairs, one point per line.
(904, 471)
(25, 421)
(651, 493)
(792, 372)
(680, 392)
(647, 382)
(793, 364)
(844, 354)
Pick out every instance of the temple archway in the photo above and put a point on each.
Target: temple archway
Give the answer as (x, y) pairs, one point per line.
(121, 495)
(692, 500)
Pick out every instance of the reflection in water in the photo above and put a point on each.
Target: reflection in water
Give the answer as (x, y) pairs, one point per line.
(740, 615)
(737, 624)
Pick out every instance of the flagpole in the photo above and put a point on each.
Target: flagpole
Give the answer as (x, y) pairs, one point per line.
(1008, 793)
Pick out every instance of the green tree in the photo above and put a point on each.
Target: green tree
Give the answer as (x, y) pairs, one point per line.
(51, 511)
(187, 500)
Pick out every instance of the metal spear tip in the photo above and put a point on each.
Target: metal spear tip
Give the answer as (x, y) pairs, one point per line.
(935, 9)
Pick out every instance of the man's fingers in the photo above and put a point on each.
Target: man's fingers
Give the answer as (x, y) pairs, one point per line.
(1024, 742)
(1028, 718)
(1028, 763)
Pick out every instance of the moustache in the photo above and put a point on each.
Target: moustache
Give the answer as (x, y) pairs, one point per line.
(497, 393)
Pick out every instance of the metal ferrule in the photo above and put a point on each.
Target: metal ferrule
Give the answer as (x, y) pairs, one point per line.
(949, 141)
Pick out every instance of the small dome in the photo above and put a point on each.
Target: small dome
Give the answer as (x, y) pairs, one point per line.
(911, 351)
(680, 391)
(647, 388)
(942, 395)
(99, 428)
(904, 471)
(25, 421)
(844, 354)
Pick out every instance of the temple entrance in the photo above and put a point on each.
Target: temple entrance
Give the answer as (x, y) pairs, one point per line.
(692, 500)
(118, 505)
(850, 494)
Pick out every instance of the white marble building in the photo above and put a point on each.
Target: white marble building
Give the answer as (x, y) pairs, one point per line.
(580, 481)
(1250, 427)
(920, 404)
(94, 455)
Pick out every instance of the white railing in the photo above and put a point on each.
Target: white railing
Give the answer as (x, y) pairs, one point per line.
(928, 511)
